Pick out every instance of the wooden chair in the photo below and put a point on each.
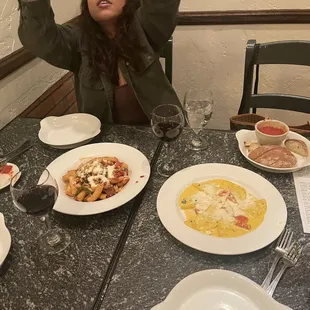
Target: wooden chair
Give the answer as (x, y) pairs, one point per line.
(167, 54)
(285, 52)
(58, 100)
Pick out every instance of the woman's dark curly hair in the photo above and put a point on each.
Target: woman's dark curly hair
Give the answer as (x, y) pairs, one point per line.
(103, 52)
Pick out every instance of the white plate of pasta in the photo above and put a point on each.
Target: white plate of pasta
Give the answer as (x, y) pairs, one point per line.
(97, 178)
(221, 209)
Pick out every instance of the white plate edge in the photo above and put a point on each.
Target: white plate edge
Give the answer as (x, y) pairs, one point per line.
(15, 171)
(6, 233)
(205, 273)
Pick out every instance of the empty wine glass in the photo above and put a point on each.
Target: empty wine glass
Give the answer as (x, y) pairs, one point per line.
(167, 124)
(198, 108)
(35, 191)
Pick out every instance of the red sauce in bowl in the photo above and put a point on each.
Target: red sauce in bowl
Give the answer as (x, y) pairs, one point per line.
(272, 131)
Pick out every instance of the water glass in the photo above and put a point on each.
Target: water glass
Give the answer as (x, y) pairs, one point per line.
(198, 109)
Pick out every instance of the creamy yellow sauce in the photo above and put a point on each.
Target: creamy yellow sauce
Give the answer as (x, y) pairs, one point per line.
(221, 208)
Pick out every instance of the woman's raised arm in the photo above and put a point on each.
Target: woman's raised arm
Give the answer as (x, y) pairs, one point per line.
(38, 32)
(158, 19)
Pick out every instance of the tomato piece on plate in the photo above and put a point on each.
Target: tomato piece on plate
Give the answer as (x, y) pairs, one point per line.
(242, 221)
(223, 193)
(118, 164)
(6, 169)
(118, 173)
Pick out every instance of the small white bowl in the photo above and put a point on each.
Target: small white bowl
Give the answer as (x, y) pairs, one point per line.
(69, 131)
(265, 139)
(210, 288)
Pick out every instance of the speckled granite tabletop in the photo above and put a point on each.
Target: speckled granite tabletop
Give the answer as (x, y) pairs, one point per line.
(70, 280)
(153, 262)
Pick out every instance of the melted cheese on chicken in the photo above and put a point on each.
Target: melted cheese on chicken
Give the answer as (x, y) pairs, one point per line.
(95, 173)
(221, 208)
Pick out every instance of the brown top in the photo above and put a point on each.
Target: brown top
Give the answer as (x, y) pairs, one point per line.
(127, 109)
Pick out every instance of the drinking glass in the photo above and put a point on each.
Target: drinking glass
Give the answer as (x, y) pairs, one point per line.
(198, 109)
(35, 191)
(167, 124)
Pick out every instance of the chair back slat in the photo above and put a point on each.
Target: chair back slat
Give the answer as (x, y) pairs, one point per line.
(286, 52)
(282, 102)
(167, 54)
(248, 77)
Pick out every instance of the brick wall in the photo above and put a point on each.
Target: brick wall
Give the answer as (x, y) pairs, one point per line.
(58, 100)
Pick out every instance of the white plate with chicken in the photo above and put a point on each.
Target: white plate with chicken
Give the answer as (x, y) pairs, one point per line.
(292, 155)
(221, 209)
(99, 177)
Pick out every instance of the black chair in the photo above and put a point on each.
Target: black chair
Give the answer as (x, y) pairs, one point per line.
(285, 52)
(167, 55)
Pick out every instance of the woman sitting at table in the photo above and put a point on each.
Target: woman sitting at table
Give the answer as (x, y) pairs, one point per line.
(113, 50)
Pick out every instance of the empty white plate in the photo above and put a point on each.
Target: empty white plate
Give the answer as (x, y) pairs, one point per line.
(5, 240)
(69, 131)
(218, 290)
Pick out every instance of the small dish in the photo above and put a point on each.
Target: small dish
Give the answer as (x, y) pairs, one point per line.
(272, 138)
(250, 136)
(218, 289)
(5, 178)
(5, 240)
(69, 131)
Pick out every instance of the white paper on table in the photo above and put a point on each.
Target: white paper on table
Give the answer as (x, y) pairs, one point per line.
(302, 185)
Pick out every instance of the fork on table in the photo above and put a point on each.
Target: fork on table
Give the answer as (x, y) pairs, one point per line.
(283, 244)
(289, 260)
(16, 152)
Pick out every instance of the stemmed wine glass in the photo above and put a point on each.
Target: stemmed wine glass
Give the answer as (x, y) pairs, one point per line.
(35, 191)
(167, 124)
(198, 109)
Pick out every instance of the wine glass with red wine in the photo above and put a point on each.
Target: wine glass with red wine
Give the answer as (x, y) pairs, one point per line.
(35, 191)
(167, 124)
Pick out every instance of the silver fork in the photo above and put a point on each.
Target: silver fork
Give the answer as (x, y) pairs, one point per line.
(289, 260)
(16, 152)
(283, 244)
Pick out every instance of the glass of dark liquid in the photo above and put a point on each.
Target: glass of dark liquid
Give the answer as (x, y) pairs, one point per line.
(167, 124)
(35, 191)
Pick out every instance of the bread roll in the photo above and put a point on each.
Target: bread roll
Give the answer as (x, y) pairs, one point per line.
(273, 156)
(251, 146)
(297, 146)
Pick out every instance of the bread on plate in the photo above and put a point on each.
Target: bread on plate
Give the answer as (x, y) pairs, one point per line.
(273, 156)
(297, 146)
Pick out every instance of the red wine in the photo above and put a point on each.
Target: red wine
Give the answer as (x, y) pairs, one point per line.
(167, 131)
(37, 200)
